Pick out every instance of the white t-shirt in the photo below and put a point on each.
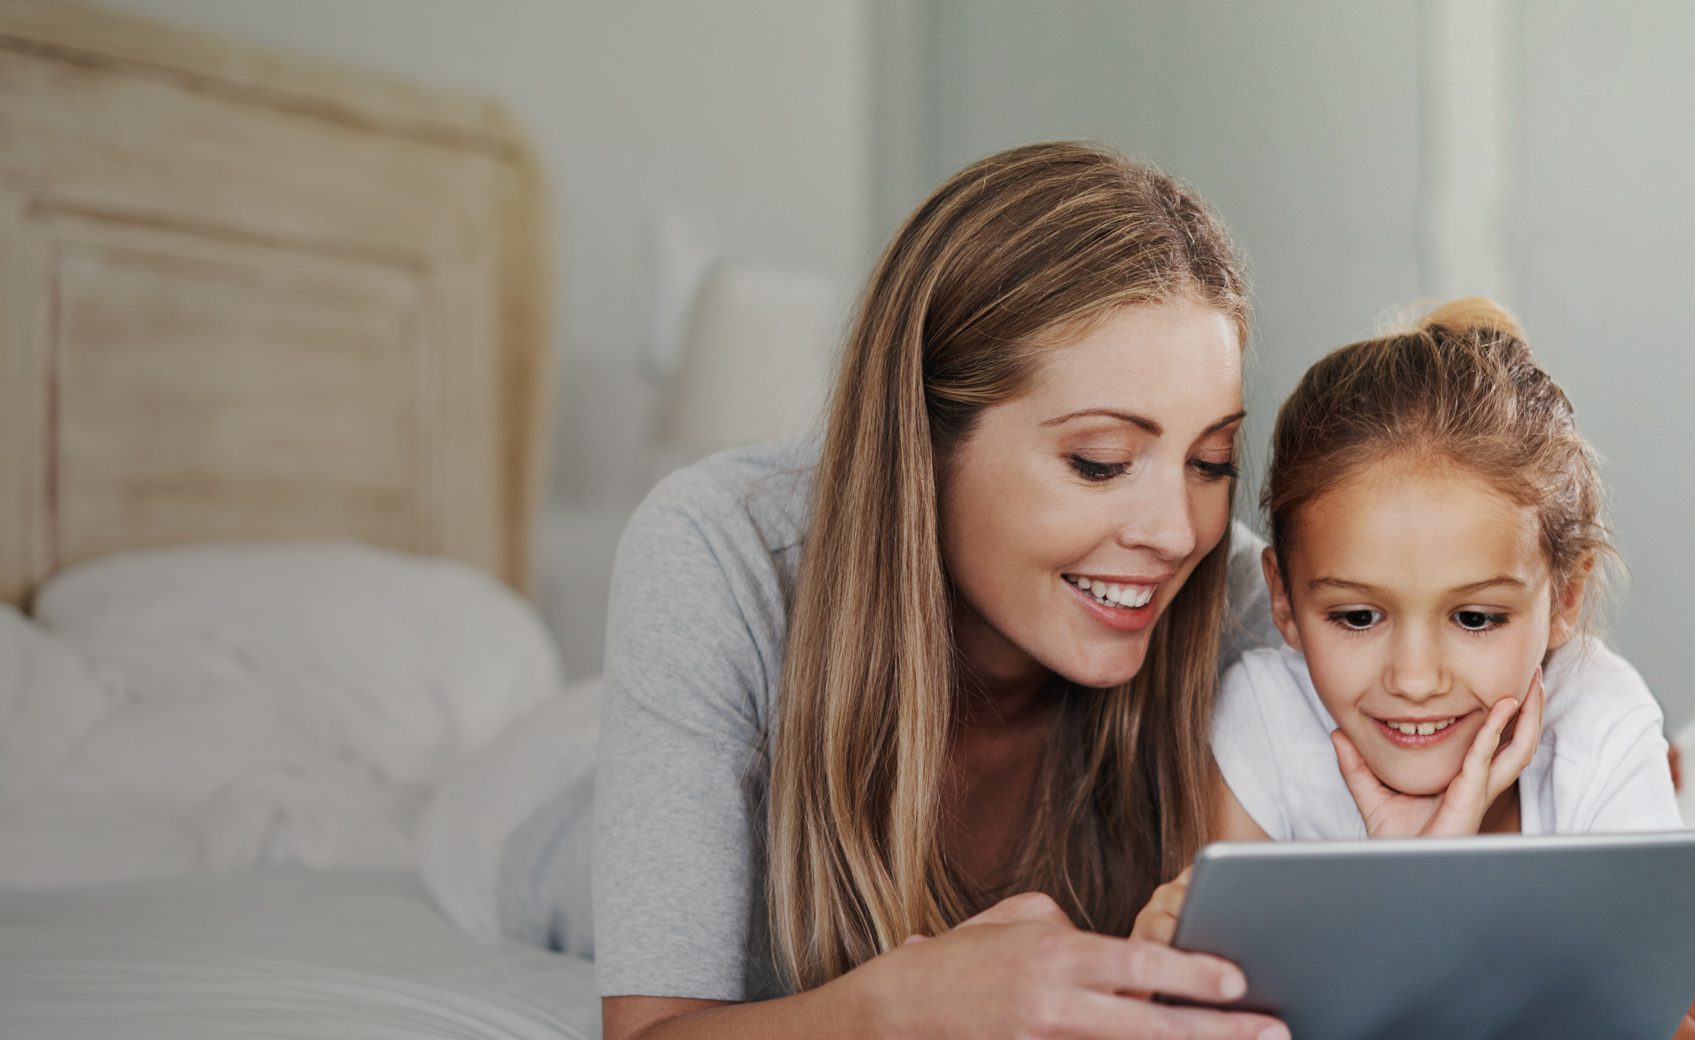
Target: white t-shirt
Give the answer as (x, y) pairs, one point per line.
(1600, 767)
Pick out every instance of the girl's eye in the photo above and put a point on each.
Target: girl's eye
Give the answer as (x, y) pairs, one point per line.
(1097, 472)
(1355, 620)
(1478, 620)
(1216, 470)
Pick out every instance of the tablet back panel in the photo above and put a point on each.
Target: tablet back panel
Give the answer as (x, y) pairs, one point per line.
(1582, 938)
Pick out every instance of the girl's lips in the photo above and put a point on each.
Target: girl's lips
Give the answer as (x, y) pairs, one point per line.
(1417, 741)
(1123, 619)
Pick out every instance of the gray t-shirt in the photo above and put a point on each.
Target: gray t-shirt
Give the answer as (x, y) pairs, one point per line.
(694, 652)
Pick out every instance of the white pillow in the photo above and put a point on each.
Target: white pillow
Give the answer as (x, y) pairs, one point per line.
(402, 662)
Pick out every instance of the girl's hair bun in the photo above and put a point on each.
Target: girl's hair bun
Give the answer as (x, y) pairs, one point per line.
(1472, 314)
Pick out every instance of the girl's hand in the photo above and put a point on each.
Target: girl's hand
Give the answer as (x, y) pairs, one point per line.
(1483, 777)
(1157, 923)
(1021, 970)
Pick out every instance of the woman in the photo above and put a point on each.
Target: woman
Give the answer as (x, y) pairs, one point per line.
(955, 666)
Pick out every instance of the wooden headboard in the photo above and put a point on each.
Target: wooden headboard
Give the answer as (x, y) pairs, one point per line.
(248, 296)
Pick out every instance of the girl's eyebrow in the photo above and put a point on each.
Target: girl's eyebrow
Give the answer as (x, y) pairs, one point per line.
(1360, 586)
(1139, 420)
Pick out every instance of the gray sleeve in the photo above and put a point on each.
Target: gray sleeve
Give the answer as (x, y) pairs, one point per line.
(678, 872)
(1247, 622)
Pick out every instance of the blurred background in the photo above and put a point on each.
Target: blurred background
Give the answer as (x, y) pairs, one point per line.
(723, 175)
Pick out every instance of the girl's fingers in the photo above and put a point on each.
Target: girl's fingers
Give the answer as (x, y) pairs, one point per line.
(1510, 761)
(1527, 733)
(1363, 784)
(1474, 772)
(1157, 922)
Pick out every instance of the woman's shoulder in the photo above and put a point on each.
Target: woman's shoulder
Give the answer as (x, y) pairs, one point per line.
(702, 580)
(759, 494)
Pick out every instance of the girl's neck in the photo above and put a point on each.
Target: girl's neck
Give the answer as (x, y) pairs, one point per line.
(1502, 816)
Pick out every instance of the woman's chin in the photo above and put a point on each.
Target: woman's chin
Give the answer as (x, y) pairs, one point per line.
(1103, 675)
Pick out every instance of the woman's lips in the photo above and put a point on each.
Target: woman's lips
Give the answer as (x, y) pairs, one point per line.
(1116, 615)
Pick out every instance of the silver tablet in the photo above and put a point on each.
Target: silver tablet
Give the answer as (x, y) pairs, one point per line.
(1587, 938)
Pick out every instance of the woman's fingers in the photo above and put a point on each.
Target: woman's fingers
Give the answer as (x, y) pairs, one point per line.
(1110, 965)
(1113, 1018)
(1024, 908)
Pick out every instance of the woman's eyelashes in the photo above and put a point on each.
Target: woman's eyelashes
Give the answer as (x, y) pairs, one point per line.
(1096, 471)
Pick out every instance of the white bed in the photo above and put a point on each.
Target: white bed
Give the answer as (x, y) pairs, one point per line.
(331, 954)
(273, 711)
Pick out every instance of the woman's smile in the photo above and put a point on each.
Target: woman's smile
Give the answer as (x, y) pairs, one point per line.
(1125, 604)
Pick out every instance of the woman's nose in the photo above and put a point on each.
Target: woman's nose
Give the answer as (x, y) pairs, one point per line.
(1162, 517)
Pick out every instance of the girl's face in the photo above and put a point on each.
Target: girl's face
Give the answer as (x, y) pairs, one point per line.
(1420, 596)
(1112, 472)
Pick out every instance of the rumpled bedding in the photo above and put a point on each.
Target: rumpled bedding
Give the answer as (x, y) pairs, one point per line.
(230, 707)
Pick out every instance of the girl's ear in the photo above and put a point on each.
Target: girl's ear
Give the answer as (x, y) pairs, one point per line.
(1282, 610)
(1568, 604)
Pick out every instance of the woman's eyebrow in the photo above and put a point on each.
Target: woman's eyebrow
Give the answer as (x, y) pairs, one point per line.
(1139, 420)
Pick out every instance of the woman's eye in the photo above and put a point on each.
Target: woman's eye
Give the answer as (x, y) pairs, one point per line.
(1478, 620)
(1091, 470)
(1216, 470)
(1354, 620)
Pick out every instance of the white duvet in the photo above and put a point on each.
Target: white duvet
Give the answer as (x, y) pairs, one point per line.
(218, 708)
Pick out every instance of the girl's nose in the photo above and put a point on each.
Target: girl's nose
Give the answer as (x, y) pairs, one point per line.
(1415, 670)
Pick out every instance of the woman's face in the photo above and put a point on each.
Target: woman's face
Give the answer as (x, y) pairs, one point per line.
(1073, 513)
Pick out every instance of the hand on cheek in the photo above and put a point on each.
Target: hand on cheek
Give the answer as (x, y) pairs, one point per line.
(1488, 771)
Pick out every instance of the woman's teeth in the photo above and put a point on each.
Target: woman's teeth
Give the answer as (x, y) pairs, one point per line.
(1114, 594)
(1419, 729)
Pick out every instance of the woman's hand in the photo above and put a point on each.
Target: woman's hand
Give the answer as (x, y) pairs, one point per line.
(1022, 970)
(1483, 777)
(1157, 923)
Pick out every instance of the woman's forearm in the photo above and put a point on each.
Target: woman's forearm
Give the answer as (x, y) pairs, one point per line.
(837, 1009)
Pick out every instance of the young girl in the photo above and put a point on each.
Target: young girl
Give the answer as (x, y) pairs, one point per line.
(1435, 531)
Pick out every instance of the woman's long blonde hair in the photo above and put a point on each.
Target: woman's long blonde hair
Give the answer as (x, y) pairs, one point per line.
(1021, 245)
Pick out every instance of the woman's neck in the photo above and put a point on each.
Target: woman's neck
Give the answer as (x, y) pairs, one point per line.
(1000, 685)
